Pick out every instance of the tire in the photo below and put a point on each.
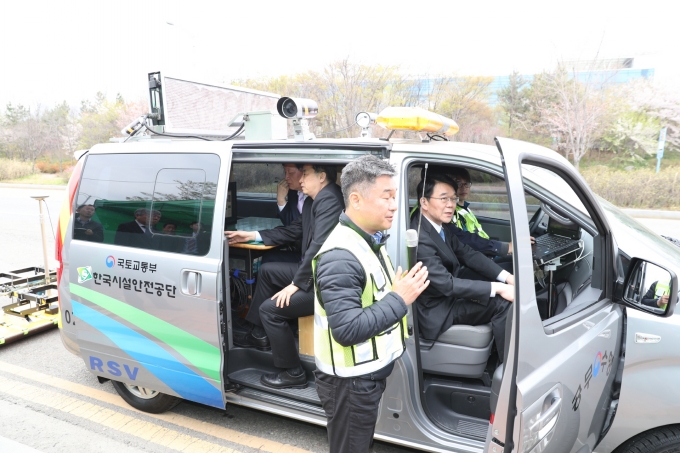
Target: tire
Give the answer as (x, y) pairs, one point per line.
(144, 399)
(661, 440)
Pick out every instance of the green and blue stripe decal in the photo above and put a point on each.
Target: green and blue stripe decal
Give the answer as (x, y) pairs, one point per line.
(183, 380)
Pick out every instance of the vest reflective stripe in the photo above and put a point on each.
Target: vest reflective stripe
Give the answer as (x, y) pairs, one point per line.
(470, 223)
(377, 352)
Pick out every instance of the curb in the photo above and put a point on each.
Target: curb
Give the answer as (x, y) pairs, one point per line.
(7, 185)
(652, 214)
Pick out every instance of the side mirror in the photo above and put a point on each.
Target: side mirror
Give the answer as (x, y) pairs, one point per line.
(648, 287)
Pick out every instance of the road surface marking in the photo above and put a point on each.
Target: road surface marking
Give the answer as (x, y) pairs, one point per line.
(210, 429)
(109, 418)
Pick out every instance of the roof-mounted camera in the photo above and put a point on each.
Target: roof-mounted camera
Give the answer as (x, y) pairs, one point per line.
(299, 110)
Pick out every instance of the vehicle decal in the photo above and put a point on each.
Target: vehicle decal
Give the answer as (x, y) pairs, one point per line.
(84, 274)
(199, 353)
(598, 365)
(152, 358)
(110, 261)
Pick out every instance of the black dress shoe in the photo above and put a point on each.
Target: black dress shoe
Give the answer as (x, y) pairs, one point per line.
(283, 380)
(248, 340)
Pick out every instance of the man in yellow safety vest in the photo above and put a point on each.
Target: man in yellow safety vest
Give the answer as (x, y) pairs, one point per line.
(360, 306)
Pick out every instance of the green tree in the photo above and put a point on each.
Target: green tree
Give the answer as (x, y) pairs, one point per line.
(513, 101)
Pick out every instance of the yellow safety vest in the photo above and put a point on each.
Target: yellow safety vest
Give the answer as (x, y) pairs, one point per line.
(471, 223)
(662, 289)
(377, 352)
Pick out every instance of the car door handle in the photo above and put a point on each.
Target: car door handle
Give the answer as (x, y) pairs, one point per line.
(546, 421)
(540, 419)
(191, 282)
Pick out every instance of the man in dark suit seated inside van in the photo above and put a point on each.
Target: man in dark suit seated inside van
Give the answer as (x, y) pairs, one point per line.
(449, 299)
(289, 195)
(285, 290)
(139, 232)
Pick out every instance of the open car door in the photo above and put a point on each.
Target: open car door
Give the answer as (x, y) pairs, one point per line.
(555, 395)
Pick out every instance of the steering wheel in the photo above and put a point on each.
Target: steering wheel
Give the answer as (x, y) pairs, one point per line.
(552, 213)
(534, 222)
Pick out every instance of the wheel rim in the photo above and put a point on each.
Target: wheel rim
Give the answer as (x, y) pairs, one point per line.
(141, 392)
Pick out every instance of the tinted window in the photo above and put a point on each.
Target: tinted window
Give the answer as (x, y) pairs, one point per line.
(153, 201)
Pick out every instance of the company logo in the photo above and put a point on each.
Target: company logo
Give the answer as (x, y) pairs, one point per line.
(110, 261)
(597, 363)
(84, 274)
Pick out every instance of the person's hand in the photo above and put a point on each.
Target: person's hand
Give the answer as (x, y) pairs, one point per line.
(281, 192)
(283, 296)
(532, 240)
(504, 290)
(240, 236)
(510, 280)
(410, 284)
(509, 248)
(89, 232)
(662, 302)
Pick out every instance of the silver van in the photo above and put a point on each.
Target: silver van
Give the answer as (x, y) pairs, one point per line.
(153, 303)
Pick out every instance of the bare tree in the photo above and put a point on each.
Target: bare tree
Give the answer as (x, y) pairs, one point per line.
(576, 114)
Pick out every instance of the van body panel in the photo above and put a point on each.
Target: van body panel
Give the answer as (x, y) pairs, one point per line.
(174, 342)
(563, 379)
(136, 319)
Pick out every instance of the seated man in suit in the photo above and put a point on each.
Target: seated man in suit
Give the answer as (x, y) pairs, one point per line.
(289, 195)
(139, 232)
(290, 199)
(284, 290)
(449, 299)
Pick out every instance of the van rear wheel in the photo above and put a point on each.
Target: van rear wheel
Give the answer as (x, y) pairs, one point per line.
(662, 440)
(145, 399)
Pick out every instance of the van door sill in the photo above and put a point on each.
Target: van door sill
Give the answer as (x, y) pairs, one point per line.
(281, 401)
(250, 377)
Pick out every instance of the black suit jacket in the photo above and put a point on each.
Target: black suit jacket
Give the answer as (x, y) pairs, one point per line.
(319, 217)
(289, 213)
(443, 260)
(131, 235)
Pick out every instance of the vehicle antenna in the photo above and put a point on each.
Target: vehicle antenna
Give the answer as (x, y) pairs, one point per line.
(420, 217)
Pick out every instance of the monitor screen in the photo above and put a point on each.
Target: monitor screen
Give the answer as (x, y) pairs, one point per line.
(231, 211)
(571, 231)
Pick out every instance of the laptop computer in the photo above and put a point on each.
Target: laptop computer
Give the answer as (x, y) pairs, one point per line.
(558, 241)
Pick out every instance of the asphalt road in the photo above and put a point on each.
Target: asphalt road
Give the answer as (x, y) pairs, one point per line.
(49, 402)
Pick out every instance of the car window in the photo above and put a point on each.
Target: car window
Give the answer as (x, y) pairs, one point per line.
(550, 181)
(134, 200)
(257, 180)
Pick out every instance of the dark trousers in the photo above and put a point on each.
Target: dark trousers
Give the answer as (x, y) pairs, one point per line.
(351, 406)
(473, 314)
(272, 278)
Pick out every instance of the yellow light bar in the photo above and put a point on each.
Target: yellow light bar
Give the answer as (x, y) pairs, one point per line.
(416, 119)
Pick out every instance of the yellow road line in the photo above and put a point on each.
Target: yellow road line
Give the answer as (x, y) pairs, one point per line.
(180, 420)
(110, 419)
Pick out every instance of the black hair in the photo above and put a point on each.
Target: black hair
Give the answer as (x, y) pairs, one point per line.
(170, 223)
(431, 181)
(459, 172)
(330, 170)
(86, 204)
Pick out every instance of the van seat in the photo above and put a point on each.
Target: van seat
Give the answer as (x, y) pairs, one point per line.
(470, 336)
(460, 351)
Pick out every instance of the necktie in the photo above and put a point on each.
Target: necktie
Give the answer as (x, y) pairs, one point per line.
(441, 233)
(147, 231)
(301, 201)
(191, 245)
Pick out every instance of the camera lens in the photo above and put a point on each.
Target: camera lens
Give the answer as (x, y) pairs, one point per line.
(289, 108)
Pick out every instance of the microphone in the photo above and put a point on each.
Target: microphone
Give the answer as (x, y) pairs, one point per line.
(412, 247)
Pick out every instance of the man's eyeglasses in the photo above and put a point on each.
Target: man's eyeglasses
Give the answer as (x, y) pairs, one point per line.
(445, 200)
(461, 184)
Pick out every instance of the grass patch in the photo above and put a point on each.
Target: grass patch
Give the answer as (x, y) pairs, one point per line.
(641, 188)
(12, 169)
(42, 178)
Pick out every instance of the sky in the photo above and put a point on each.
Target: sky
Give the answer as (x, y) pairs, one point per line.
(53, 51)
